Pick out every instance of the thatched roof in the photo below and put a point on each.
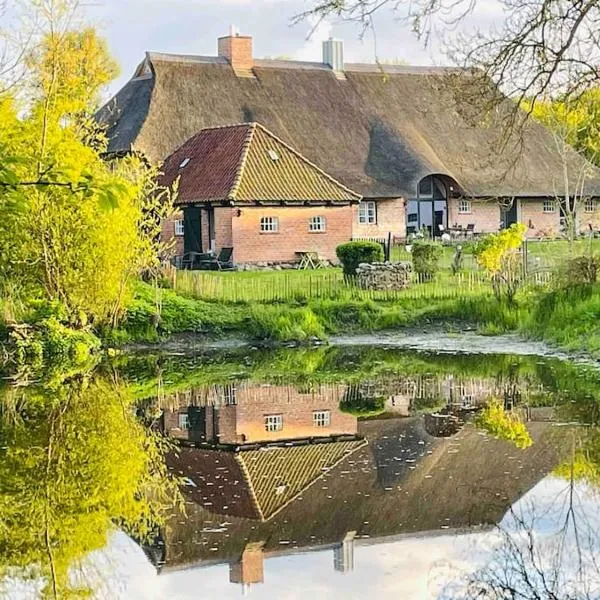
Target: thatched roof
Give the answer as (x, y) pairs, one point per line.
(246, 163)
(377, 133)
(403, 482)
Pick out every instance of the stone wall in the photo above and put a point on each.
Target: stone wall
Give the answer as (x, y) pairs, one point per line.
(384, 276)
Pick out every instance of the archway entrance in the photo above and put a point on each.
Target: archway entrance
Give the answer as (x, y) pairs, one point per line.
(429, 210)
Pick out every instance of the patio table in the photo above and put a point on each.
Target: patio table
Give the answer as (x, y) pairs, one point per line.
(309, 260)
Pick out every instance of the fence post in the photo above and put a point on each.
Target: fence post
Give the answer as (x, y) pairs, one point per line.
(388, 247)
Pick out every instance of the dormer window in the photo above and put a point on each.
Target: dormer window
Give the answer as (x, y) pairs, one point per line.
(184, 163)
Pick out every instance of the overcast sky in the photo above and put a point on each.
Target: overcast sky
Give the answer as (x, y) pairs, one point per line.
(192, 27)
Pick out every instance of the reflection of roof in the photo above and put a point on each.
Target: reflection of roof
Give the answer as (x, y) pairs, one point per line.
(403, 482)
(247, 163)
(255, 484)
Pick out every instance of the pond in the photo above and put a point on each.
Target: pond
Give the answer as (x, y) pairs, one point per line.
(318, 472)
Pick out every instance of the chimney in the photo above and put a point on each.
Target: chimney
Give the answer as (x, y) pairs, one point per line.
(333, 54)
(249, 569)
(237, 49)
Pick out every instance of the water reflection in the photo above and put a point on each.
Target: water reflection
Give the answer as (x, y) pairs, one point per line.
(326, 460)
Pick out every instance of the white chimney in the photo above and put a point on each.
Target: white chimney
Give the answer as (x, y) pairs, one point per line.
(333, 54)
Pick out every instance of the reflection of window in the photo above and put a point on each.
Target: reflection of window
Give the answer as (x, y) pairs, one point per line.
(269, 224)
(322, 418)
(229, 394)
(589, 206)
(549, 206)
(426, 188)
(184, 421)
(464, 206)
(317, 224)
(273, 423)
(179, 227)
(367, 213)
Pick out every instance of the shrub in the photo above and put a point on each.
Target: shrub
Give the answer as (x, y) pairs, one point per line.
(357, 404)
(426, 258)
(581, 270)
(352, 254)
(504, 425)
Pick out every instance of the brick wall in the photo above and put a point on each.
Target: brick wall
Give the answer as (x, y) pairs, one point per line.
(391, 217)
(485, 215)
(249, 569)
(539, 223)
(252, 246)
(587, 218)
(167, 234)
(223, 228)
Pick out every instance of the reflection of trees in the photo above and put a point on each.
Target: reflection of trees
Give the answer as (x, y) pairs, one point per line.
(542, 552)
(74, 465)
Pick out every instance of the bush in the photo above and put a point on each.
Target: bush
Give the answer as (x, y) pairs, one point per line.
(357, 404)
(352, 254)
(504, 425)
(581, 270)
(426, 258)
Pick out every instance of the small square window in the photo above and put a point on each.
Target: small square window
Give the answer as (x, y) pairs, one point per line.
(273, 423)
(367, 213)
(549, 206)
(269, 224)
(589, 206)
(179, 227)
(464, 206)
(322, 418)
(316, 224)
(184, 421)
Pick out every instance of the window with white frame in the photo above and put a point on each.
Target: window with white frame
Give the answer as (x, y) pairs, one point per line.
(464, 206)
(589, 206)
(269, 225)
(273, 423)
(367, 213)
(549, 206)
(321, 418)
(316, 224)
(184, 421)
(179, 227)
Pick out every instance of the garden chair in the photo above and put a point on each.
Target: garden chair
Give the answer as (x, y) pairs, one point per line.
(222, 262)
(470, 231)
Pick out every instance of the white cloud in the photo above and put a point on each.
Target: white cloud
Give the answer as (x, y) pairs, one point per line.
(319, 30)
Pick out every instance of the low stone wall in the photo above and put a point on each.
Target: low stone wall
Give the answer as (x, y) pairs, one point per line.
(384, 276)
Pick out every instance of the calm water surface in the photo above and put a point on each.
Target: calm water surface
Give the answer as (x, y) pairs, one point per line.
(324, 473)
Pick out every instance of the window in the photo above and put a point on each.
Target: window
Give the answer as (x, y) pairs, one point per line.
(426, 187)
(549, 206)
(273, 155)
(464, 206)
(269, 224)
(229, 394)
(184, 163)
(317, 224)
(179, 227)
(367, 213)
(273, 423)
(184, 421)
(589, 206)
(322, 418)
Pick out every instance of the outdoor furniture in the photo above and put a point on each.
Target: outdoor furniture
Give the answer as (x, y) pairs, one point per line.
(191, 260)
(470, 232)
(308, 259)
(222, 262)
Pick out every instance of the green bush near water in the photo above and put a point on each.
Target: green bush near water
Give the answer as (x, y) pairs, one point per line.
(426, 257)
(352, 254)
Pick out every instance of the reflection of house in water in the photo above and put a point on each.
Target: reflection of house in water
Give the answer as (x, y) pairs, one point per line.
(245, 506)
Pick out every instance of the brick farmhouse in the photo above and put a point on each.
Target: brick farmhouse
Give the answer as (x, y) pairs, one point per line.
(242, 187)
(409, 140)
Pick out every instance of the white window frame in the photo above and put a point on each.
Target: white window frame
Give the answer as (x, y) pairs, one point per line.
(465, 207)
(317, 224)
(183, 421)
(269, 224)
(549, 206)
(589, 206)
(367, 212)
(273, 423)
(322, 418)
(179, 227)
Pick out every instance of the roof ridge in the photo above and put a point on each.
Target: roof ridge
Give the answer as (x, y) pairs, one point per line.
(307, 161)
(242, 163)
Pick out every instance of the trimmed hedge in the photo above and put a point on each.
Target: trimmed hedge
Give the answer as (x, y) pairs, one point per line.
(352, 254)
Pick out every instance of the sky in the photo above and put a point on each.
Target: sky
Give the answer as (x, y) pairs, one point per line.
(133, 27)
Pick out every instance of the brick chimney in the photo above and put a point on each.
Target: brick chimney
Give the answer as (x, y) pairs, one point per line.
(237, 49)
(249, 569)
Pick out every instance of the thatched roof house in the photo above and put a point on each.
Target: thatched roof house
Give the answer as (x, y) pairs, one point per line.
(377, 130)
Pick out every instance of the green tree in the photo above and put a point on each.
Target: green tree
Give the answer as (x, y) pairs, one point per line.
(73, 227)
(75, 464)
